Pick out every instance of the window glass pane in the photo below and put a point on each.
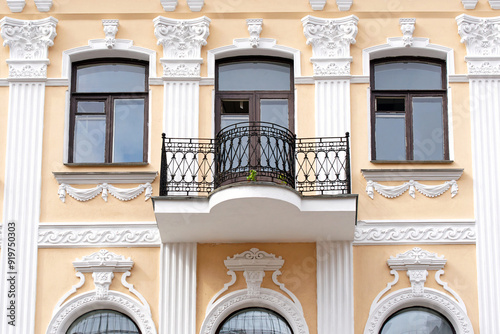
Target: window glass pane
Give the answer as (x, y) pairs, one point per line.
(254, 76)
(90, 107)
(235, 106)
(390, 104)
(255, 321)
(408, 75)
(428, 139)
(110, 78)
(274, 111)
(103, 322)
(390, 140)
(90, 138)
(417, 320)
(128, 130)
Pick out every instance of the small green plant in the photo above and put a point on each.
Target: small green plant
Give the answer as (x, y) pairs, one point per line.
(282, 178)
(252, 176)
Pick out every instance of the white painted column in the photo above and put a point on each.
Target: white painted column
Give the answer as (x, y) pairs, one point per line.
(333, 107)
(28, 42)
(181, 108)
(178, 288)
(335, 287)
(481, 38)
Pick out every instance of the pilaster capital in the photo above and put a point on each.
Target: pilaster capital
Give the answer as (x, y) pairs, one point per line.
(331, 40)
(481, 37)
(182, 41)
(28, 41)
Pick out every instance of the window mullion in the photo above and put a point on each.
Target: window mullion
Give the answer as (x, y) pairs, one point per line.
(409, 126)
(109, 129)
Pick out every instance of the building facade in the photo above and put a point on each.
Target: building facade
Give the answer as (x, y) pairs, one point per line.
(326, 166)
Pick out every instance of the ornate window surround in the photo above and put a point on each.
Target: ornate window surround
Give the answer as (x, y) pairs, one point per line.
(108, 47)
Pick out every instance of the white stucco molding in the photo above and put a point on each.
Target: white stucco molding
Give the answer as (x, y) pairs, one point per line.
(331, 40)
(16, 6)
(119, 234)
(254, 263)
(469, 4)
(407, 28)
(104, 177)
(481, 37)
(103, 261)
(317, 4)
(182, 41)
(344, 5)
(28, 41)
(416, 262)
(110, 30)
(415, 232)
(195, 5)
(169, 5)
(494, 4)
(254, 29)
(43, 5)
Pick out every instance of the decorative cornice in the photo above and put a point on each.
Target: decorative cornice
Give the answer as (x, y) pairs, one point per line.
(407, 28)
(16, 6)
(417, 259)
(254, 258)
(317, 4)
(104, 177)
(110, 30)
(43, 5)
(98, 235)
(415, 233)
(469, 4)
(168, 5)
(103, 261)
(344, 5)
(412, 174)
(331, 40)
(254, 28)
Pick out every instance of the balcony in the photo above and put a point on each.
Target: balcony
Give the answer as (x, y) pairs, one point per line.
(255, 182)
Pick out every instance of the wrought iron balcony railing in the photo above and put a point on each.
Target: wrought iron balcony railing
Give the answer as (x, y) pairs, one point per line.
(255, 151)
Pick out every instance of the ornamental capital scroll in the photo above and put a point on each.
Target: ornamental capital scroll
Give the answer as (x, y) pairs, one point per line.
(28, 41)
(331, 40)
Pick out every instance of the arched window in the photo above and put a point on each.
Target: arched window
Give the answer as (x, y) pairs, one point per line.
(103, 322)
(254, 321)
(417, 320)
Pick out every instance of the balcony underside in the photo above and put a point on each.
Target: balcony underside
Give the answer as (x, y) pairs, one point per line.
(255, 212)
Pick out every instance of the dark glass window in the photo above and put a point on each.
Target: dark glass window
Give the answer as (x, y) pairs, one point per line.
(103, 322)
(254, 321)
(257, 89)
(109, 103)
(409, 110)
(417, 320)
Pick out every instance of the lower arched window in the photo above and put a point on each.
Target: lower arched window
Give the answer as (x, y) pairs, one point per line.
(103, 322)
(417, 320)
(254, 321)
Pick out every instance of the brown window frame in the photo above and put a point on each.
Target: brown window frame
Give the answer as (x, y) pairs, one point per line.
(408, 95)
(254, 96)
(108, 99)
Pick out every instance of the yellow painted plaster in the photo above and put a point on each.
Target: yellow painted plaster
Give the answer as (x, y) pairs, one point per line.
(56, 276)
(371, 275)
(299, 274)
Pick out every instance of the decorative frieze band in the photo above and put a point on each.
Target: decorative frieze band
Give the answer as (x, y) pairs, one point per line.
(396, 191)
(84, 195)
(28, 42)
(331, 40)
(182, 41)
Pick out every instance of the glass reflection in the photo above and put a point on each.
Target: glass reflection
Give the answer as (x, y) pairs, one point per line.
(408, 75)
(428, 139)
(110, 78)
(417, 320)
(128, 130)
(103, 322)
(254, 76)
(390, 136)
(90, 138)
(255, 321)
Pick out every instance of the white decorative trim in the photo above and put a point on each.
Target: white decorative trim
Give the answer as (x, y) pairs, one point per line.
(182, 41)
(407, 28)
(103, 261)
(412, 174)
(16, 6)
(254, 258)
(494, 4)
(481, 37)
(169, 5)
(84, 195)
(317, 4)
(254, 28)
(86, 302)
(110, 30)
(104, 177)
(416, 262)
(195, 5)
(344, 5)
(266, 298)
(416, 232)
(426, 190)
(331, 40)
(43, 5)
(469, 4)
(121, 234)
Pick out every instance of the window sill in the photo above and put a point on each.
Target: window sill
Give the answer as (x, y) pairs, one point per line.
(434, 174)
(411, 161)
(112, 164)
(104, 177)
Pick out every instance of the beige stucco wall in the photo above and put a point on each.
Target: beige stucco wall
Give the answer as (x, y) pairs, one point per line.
(56, 276)
(371, 275)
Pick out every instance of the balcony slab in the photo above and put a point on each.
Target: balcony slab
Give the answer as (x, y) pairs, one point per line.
(255, 212)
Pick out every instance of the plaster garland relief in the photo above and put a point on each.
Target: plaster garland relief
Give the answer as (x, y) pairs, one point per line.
(426, 190)
(28, 42)
(182, 41)
(84, 195)
(331, 40)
